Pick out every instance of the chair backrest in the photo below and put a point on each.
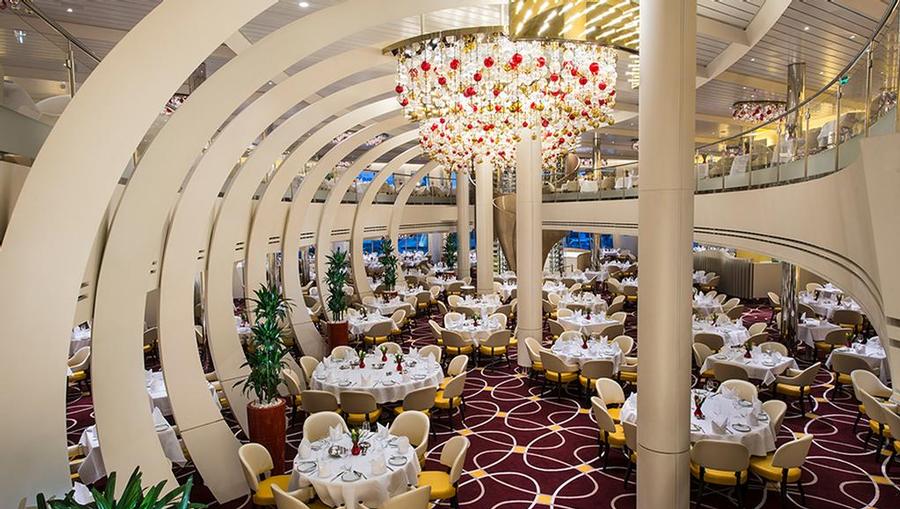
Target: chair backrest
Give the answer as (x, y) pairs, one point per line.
(847, 317)
(610, 391)
(774, 299)
(720, 298)
(630, 435)
(423, 297)
(468, 312)
(435, 329)
(619, 316)
(838, 337)
(889, 418)
(308, 363)
(846, 363)
(453, 339)
(284, 500)
(598, 368)
(433, 350)
(546, 306)
(498, 338)
(619, 299)
(343, 352)
(554, 298)
(744, 389)
(358, 402)
(869, 382)
(873, 408)
(715, 342)
(735, 312)
(808, 375)
(721, 455)
(730, 303)
(758, 339)
(391, 347)
(701, 352)
(613, 330)
(601, 415)
(756, 328)
(420, 399)
(773, 346)
(793, 453)
(626, 343)
(453, 317)
(316, 426)
(775, 409)
(553, 362)
(454, 300)
(455, 386)
(570, 335)
(319, 401)
(556, 328)
(291, 381)
(417, 498)
(413, 425)
(434, 290)
(453, 455)
(398, 316)
(413, 303)
(458, 365)
(804, 309)
(442, 308)
(501, 318)
(381, 329)
(724, 372)
(79, 360)
(533, 347)
(255, 461)
(812, 287)
(564, 313)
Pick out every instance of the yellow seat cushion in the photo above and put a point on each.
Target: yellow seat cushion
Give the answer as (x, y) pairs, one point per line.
(460, 350)
(762, 466)
(556, 376)
(628, 376)
(586, 382)
(263, 495)
(862, 408)
(444, 403)
(441, 487)
(298, 399)
(792, 390)
(537, 366)
(708, 374)
(513, 341)
(720, 477)
(497, 350)
(377, 340)
(77, 376)
(614, 413)
(360, 418)
(824, 347)
(897, 446)
(616, 439)
(873, 425)
(632, 457)
(844, 379)
(399, 410)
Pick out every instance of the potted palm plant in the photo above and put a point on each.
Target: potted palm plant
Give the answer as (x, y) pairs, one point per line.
(337, 302)
(389, 264)
(451, 248)
(133, 497)
(265, 354)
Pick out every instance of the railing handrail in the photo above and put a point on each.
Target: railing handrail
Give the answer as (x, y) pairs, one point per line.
(796, 109)
(60, 30)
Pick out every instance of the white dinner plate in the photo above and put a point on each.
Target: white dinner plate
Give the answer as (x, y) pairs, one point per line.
(306, 467)
(397, 461)
(743, 428)
(350, 476)
(344, 383)
(744, 403)
(388, 382)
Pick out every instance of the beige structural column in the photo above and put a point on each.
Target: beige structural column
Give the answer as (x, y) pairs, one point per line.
(484, 226)
(529, 252)
(665, 224)
(403, 194)
(463, 263)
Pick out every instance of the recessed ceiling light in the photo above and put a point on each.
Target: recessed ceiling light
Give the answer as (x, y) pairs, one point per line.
(806, 29)
(69, 10)
(753, 60)
(303, 4)
(821, 73)
(853, 36)
(20, 36)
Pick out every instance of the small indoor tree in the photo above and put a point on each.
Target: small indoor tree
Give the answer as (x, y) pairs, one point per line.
(133, 496)
(389, 263)
(451, 248)
(338, 301)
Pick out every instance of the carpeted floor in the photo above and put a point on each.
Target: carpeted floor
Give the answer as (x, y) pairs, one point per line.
(532, 452)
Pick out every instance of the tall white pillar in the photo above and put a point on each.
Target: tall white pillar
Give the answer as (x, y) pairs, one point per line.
(665, 224)
(462, 225)
(484, 226)
(435, 246)
(529, 239)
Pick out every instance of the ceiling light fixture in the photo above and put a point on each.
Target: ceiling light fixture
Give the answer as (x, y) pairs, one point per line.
(70, 10)
(757, 111)
(303, 5)
(20, 36)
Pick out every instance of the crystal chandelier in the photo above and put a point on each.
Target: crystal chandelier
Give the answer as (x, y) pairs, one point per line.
(473, 92)
(757, 111)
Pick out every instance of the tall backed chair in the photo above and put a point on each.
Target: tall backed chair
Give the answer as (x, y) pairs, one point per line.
(445, 485)
(316, 426)
(612, 435)
(256, 464)
(720, 463)
(556, 371)
(415, 426)
(868, 382)
(359, 407)
(797, 384)
(784, 466)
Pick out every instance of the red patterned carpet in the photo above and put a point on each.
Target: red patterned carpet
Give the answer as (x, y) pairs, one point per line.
(529, 452)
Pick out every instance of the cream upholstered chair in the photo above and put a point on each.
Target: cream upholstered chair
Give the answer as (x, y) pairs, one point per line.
(626, 343)
(833, 339)
(308, 364)
(458, 365)
(813, 287)
(416, 498)
(556, 371)
(797, 384)
(255, 463)
(424, 300)
(413, 307)
(454, 344)
(611, 434)
(359, 407)
(501, 318)
(295, 387)
(775, 409)
(774, 346)
(724, 372)
(298, 499)
(617, 304)
(744, 390)
(436, 331)
(379, 333)
(719, 298)
(316, 426)
(612, 330)
(612, 395)
(631, 445)
(444, 485)
(556, 329)
(451, 397)
(343, 352)
(496, 345)
(805, 309)
(564, 313)
(619, 316)
(594, 370)
(868, 382)
(892, 421)
(758, 339)
(415, 426)
(848, 319)
(721, 463)
(391, 347)
(730, 303)
(554, 298)
(79, 363)
(570, 335)
(442, 308)
(454, 300)
(433, 350)
(533, 347)
(399, 319)
(701, 352)
(419, 399)
(775, 302)
(453, 317)
(877, 421)
(735, 312)
(715, 342)
(314, 402)
(757, 328)
(842, 365)
(784, 466)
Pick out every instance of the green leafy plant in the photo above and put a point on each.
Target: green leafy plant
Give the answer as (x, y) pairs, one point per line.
(266, 347)
(451, 248)
(389, 262)
(133, 497)
(336, 278)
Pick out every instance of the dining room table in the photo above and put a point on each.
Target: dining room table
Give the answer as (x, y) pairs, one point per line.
(761, 365)
(723, 416)
(378, 375)
(870, 350)
(360, 324)
(826, 306)
(506, 289)
(81, 337)
(556, 287)
(385, 467)
(578, 352)
(483, 306)
(473, 330)
(706, 305)
(387, 306)
(159, 394)
(587, 323)
(733, 332)
(811, 329)
(589, 301)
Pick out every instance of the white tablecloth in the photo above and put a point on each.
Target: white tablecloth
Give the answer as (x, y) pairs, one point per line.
(734, 333)
(92, 468)
(811, 330)
(506, 290)
(373, 489)
(580, 322)
(589, 186)
(593, 303)
(482, 306)
(362, 324)
(388, 308)
(159, 396)
(760, 367)
(572, 352)
(718, 408)
(381, 378)
(700, 277)
(825, 306)
(557, 288)
(872, 352)
(474, 333)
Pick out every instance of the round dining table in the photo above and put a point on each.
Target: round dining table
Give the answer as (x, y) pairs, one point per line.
(378, 377)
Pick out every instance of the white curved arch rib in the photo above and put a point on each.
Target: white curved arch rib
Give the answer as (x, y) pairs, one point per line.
(231, 226)
(397, 210)
(60, 212)
(361, 221)
(312, 344)
(326, 219)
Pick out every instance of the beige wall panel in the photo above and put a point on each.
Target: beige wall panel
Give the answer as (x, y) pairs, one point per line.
(50, 237)
(12, 178)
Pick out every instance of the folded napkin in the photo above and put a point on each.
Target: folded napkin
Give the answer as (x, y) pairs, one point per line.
(803, 317)
(365, 379)
(382, 431)
(158, 418)
(413, 352)
(719, 423)
(324, 468)
(304, 451)
(378, 464)
(334, 433)
(728, 392)
(403, 445)
(752, 419)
